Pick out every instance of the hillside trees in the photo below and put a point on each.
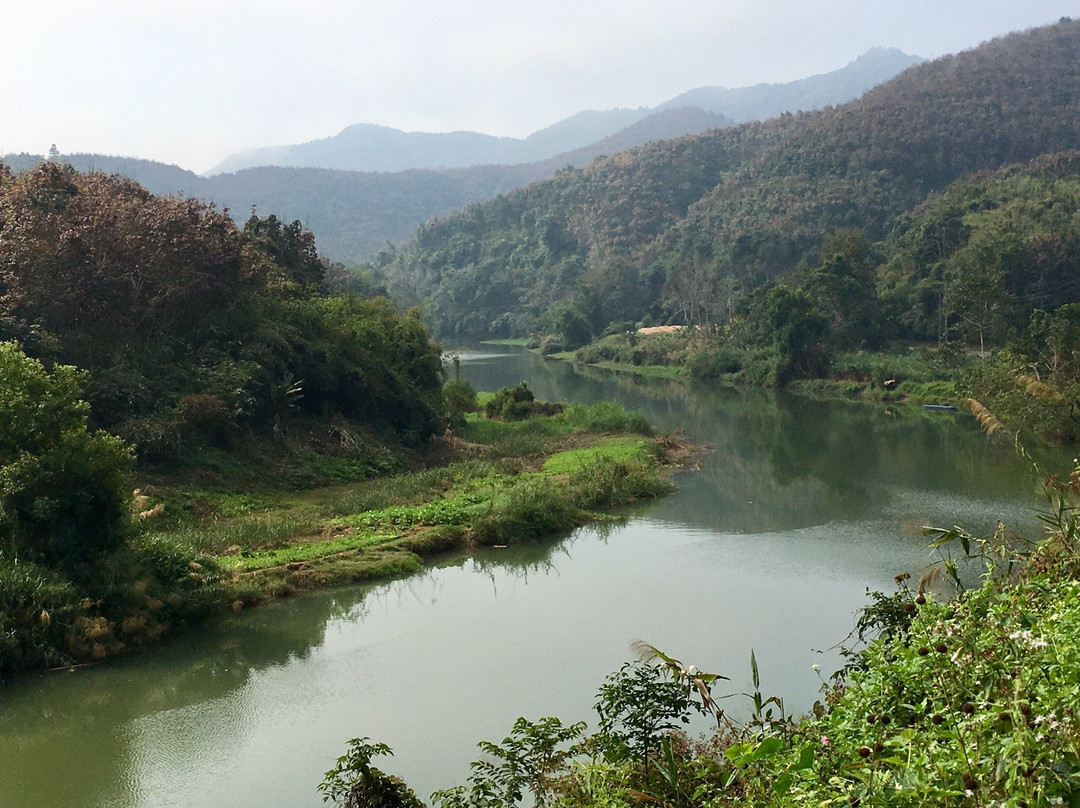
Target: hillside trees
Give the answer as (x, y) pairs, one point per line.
(63, 488)
(749, 205)
(193, 329)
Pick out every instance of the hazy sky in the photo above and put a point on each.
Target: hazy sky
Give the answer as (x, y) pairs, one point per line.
(191, 82)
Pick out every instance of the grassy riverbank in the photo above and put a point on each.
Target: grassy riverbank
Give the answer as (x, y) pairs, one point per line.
(918, 376)
(965, 699)
(232, 529)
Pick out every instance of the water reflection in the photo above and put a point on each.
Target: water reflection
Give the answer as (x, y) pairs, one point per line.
(770, 546)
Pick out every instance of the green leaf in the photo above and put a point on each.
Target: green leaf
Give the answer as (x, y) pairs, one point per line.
(782, 784)
(806, 758)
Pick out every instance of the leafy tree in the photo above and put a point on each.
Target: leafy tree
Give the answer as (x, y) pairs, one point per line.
(287, 252)
(842, 287)
(355, 783)
(530, 759)
(638, 704)
(64, 491)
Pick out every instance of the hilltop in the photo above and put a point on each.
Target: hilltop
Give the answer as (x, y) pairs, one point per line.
(376, 185)
(637, 236)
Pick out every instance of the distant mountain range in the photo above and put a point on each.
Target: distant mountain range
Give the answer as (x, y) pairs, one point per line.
(372, 185)
(652, 232)
(368, 147)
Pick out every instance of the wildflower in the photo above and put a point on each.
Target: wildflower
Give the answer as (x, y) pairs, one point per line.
(816, 667)
(825, 740)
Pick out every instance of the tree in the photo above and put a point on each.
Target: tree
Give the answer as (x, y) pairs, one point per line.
(64, 491)
(355, 783)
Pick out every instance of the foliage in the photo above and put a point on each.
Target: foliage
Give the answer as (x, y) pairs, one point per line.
(196, 332)
(517, 403)
(529, 759)
(682, 231)
(37, 607)
(355, 783)
(637, 705)
(460, 397)
(64, 490)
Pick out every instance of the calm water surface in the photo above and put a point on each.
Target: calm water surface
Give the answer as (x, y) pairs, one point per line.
(770, 546)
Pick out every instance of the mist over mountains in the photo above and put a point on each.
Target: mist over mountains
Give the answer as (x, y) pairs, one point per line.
(666, 230)
(368, 147)
(372, 185)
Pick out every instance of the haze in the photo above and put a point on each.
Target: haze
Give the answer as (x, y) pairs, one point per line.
(191, 82)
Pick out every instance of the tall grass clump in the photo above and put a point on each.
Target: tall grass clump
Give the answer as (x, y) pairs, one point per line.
(607, 483)
(606, 416)
(529, 510)
(37, 609)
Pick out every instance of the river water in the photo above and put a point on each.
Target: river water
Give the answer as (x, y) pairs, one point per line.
(771, 546)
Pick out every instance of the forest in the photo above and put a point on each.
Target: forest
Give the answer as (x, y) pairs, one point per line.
(687, 231)
(151, 338)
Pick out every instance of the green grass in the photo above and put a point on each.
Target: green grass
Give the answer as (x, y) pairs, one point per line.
(303, 551)
(614, 449)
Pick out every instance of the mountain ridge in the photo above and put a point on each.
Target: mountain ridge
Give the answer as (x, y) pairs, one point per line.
(373, 147)
(354, 215)
(740, 207)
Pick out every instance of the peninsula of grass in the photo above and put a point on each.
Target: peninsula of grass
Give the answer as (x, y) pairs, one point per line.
(494, 483)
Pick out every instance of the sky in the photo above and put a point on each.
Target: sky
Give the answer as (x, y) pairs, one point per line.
(191, 82)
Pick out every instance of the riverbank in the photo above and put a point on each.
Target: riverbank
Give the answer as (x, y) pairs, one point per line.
(968, 699)
(213, 537)
(916, 375)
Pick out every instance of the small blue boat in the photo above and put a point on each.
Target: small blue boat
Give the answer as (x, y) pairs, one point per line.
(939, 407)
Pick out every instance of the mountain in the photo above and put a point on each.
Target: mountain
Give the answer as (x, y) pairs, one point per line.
(729, 210)
(354, 213)
(158, 178)
(763, 101)
(367, 147)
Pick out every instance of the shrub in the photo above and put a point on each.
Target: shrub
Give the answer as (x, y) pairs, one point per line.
(518, 403)
(355, 783)
(460, 397)
(35, 607)
(713, 362)
(64, 491)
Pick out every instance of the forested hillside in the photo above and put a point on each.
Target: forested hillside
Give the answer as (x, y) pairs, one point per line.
(682, 231)
(194, 331)
(378, 184)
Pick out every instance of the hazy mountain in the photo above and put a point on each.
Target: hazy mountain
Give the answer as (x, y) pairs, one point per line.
(763, 101)
(158, 178)
(368, 147)
(354, 213)
(732, 209)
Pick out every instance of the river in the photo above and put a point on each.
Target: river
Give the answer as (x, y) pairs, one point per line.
(800, 507)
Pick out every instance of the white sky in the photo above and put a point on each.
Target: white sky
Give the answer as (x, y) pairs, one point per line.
(191, 82)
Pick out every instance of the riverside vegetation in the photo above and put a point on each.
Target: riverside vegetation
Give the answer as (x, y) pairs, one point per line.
(938, 210)
(87, 573)
(968, 700)
(283, 431)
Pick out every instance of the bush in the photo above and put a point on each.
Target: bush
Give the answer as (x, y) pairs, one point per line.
(64, 492)
(35, 606)
(714, 362)
(518, 403)
(460, 397)
(528, 511)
